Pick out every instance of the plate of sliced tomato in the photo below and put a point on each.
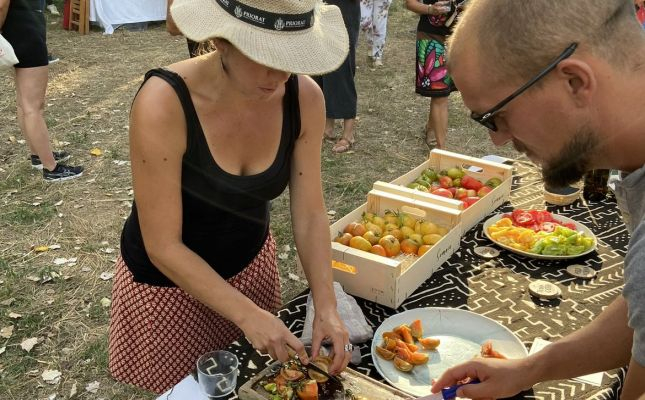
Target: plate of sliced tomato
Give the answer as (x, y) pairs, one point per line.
(445, 337)
(540, 234)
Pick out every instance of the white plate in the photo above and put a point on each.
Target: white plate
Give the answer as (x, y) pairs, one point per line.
(461, 332)
(579, 227)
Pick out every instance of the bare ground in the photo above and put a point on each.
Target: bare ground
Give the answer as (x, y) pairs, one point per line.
(64, 304)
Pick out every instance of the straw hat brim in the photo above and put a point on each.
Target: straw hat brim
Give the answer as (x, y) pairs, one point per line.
(314, 51)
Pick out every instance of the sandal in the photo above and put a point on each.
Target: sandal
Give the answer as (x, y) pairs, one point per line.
(342, 145)
(431, 141)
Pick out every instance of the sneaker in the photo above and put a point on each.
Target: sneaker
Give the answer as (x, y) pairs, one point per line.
(52, 9)
(59, 156)
(62, 172)
(52, 58)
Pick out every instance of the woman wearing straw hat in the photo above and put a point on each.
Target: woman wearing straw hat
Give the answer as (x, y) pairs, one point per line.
(213, 139)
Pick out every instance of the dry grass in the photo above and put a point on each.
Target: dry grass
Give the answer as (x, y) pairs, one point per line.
(89, 94)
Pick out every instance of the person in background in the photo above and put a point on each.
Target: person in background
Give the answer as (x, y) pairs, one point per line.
(436, 19)
(171, 27)
(51, 7)
(568, 94)
(338, 86)
(212, 141)
(22, 23)
(374, 26)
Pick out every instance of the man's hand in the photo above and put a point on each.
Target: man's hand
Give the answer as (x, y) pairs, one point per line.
(499, 378)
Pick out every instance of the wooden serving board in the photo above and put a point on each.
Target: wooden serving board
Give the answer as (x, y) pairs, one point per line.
(358, 383)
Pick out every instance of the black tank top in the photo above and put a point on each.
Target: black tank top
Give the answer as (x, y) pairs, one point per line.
(225, 216)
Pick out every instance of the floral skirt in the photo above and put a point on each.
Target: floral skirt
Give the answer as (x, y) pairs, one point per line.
(158, 333)
(431, 72)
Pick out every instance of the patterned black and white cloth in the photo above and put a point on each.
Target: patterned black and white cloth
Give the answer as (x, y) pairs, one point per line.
(501, 292)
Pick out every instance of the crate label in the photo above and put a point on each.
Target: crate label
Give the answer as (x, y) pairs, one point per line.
(341, 266)
(499, 199)
(442, 252)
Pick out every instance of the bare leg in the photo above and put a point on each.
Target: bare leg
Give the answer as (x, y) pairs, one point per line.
(329, 129)
(438, 119)
(31, 85)
(348, 129)
(347, 140)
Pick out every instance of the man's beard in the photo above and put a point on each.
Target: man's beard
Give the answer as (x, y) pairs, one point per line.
(573, 161)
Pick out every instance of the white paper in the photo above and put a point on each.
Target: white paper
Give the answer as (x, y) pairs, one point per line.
(187, 389)
(594, 379)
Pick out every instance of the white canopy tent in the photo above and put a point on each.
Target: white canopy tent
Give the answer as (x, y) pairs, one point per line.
(112, 13)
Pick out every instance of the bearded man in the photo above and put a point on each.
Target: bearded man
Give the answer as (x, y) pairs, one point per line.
(568, 90)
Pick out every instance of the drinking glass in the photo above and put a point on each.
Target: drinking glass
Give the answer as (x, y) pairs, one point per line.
(217, 373)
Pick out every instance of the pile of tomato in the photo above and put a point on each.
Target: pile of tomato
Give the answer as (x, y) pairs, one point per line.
(537, 220)
(454, 184)
(391, 234)
(538, 232)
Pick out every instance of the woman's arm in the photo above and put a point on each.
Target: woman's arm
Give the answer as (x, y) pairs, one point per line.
(4, 9)
(156, 150)
(418, 7)
(311, 225)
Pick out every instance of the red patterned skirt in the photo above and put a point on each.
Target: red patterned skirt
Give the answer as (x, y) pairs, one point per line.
(157, 333)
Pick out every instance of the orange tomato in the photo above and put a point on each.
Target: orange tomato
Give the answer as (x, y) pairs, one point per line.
(350, 227)
(416, 329)
(378, 249)
(359, 230)
(391, 245)
(307, 390)
(409, 246)
(343, 238)
(429, 343)
(423, 249)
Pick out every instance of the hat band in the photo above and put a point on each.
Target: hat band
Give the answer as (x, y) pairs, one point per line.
(267, 20)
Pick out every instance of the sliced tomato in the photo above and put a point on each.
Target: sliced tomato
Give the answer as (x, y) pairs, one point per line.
(547, 226)
(543, 216)
(570, 225)
(308, 390)
(524, 219)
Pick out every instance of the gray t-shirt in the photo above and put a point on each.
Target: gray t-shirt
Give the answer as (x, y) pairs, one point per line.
(630, 194)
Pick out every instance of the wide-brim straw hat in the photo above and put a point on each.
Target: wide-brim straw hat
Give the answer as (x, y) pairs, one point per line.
(317, 43)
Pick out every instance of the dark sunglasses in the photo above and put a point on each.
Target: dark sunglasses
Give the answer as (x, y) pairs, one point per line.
(488, 118)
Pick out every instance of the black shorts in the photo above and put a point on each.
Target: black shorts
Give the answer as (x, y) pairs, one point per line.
(26, 31)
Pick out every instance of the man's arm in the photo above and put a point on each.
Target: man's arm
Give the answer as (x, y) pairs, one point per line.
(602, 345)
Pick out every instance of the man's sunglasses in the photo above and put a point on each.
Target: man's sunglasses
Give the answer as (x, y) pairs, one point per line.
(488, 118)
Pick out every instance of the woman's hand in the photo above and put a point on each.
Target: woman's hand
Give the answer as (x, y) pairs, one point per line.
(438, 8)
(499, 378)
(328, 325)
(268, 334)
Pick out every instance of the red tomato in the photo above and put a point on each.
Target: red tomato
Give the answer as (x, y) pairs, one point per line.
(453, 190)
(524, 219)
(461, 193)
(442, 192)
(471, 183)
(483, 191)
(445, 182)
(543, 216)
(469, 201)
(547, 226)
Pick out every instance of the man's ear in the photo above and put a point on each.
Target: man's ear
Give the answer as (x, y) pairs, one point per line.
(579, 79)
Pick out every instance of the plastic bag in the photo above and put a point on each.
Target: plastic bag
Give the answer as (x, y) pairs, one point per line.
(7, 55)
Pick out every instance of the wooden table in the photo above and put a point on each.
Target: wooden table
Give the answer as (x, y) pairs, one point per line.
(501, 292)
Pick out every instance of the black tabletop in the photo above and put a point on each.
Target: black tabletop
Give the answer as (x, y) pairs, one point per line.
(501, 292)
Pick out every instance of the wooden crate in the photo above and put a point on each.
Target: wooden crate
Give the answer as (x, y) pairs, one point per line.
(475, 167)
(384, 280)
